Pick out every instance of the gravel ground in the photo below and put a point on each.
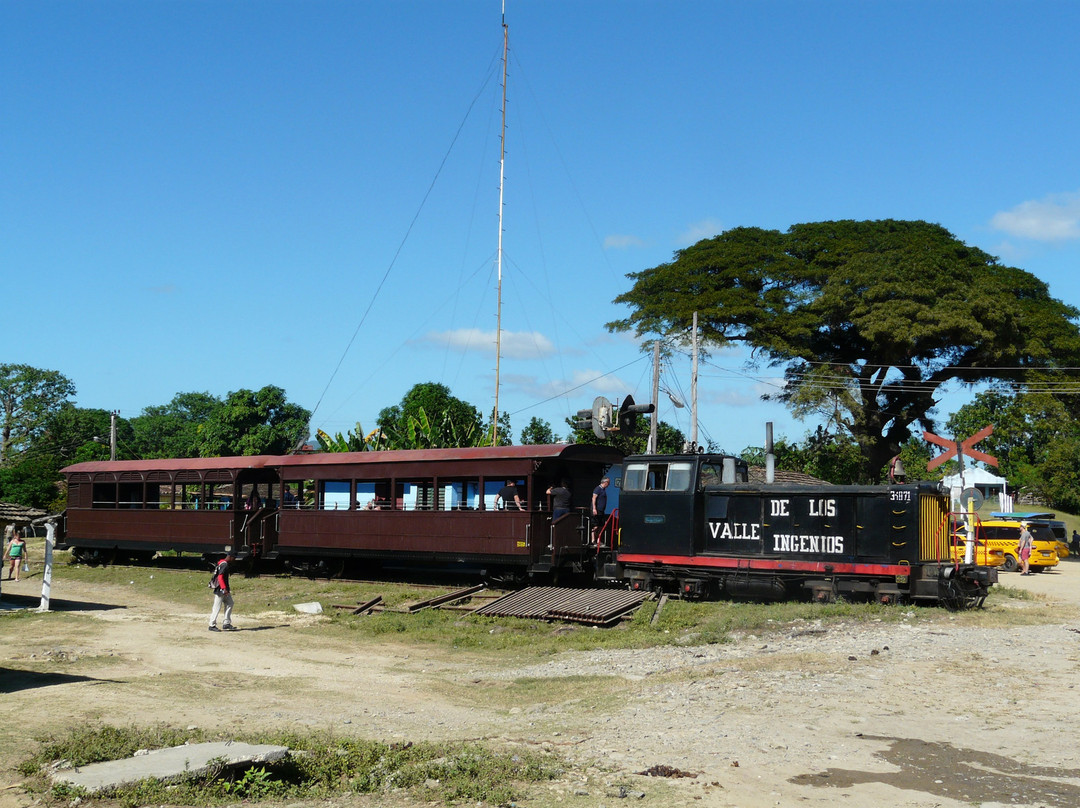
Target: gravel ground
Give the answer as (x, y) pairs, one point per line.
(867, 713)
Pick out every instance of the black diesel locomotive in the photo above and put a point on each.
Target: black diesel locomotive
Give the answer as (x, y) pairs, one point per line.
(695, 525)
(689, 524)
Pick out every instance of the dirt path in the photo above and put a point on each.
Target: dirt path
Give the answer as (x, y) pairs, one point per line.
(869, 714)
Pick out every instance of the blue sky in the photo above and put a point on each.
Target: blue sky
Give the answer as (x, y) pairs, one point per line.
(208, 196)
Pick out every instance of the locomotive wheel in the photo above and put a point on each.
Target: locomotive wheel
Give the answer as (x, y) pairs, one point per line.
(1010, 564)
(957, 595)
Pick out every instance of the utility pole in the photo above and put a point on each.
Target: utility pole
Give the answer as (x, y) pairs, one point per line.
(653, 439)
(112, 434)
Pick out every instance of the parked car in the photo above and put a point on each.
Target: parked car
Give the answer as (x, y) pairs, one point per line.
(1061, 536)
(1042, 519)
(1004, 535)
(983, 555)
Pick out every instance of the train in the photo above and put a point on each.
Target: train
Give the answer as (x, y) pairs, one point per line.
(689, 524)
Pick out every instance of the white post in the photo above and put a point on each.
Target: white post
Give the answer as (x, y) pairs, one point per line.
(770, 455)
(969, 511)
(46, 582)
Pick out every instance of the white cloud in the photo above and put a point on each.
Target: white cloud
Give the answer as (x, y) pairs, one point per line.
(621, 242)
(696, 231)
(1053, 218)
(515, 344)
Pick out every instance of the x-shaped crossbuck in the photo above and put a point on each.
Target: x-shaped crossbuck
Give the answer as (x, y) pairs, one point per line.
(957, 448)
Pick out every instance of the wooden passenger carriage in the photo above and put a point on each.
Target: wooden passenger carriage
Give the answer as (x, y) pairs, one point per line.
(435, 506)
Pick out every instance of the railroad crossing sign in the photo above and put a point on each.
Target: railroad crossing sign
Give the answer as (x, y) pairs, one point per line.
(959, 448)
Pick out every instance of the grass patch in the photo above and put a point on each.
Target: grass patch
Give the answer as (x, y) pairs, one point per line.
(319, 766)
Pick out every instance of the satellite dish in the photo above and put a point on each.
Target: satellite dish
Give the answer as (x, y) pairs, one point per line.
(974, 495)
(601, 417)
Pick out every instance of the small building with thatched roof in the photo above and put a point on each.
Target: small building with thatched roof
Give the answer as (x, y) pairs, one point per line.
(18, 516)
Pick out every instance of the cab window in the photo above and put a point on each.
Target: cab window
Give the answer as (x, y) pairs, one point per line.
(658, 476)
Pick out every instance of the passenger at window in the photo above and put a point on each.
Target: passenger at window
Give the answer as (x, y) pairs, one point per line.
(508, 498)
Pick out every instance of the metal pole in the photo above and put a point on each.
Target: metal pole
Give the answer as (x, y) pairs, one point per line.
(693, 388)
(499, 251)
(653, 440)
(112, 435)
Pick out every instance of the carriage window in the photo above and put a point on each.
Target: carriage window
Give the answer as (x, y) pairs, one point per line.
(334, 495)
(104, 495)
(366, 498)
(130, 495)
(416, 495)
(491, 489)
(493, 485)
(459, 495)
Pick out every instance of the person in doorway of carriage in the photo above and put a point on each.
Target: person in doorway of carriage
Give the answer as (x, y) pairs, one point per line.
(560, 500)
(222, 594)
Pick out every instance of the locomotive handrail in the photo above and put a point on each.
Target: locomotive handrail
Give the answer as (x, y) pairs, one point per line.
(612, 521)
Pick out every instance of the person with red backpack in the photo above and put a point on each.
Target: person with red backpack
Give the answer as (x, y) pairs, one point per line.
(222, 594)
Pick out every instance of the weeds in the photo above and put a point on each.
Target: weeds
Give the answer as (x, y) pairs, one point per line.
(319, 766)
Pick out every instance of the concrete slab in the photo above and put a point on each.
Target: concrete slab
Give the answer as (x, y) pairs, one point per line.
(168, 764)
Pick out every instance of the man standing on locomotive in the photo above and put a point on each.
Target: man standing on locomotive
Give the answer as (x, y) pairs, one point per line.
(222, 594)
(599, 508)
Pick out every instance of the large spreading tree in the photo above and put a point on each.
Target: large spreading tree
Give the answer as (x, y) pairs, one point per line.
(869, 320)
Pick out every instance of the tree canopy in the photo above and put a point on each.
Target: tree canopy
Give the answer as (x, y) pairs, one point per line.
(429, 417)
(253, 423)
(173, 429)
(538, 432)
(868, 319)
(1036, 439)
(29, 397)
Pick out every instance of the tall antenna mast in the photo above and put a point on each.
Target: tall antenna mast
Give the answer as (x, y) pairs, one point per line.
(499, 251)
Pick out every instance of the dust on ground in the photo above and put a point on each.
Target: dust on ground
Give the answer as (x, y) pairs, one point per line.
(902, 714)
